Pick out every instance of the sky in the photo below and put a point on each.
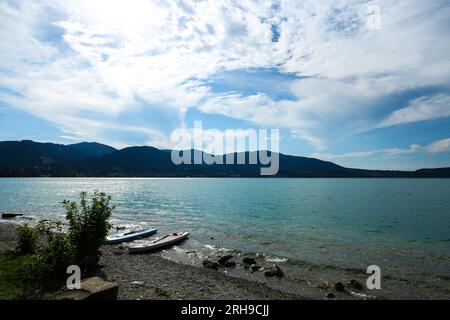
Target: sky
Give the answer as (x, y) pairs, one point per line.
(361, 83)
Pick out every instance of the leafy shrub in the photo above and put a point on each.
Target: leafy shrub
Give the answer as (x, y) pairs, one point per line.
(88, 226)
(26, 239)
(55, 254)
(51, 250)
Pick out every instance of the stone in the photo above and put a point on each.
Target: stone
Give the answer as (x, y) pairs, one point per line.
(137, 283)
(274, 271)
(256, 267)
(340, 287)
(326, 285)
(248, 261)
(94, 288)
(162, 293)
(356, 285)
(223, 260)
(230, 264)
(210, 264)
(330, 295)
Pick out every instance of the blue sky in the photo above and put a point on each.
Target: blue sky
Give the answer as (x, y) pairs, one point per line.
(131, 72)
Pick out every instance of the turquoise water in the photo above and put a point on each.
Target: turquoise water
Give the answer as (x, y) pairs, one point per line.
(402, 225)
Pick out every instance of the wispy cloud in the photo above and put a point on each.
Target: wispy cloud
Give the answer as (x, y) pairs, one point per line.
(421, 109)
(86, 66)
(440, 146)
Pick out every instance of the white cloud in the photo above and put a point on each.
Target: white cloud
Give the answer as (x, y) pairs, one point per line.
(120, 57)
(424, 108)
(439, 146)
(351, 69)
(358, 154)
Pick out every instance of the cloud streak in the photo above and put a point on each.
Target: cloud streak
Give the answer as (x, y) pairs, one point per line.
(440, 146)
(421, 109)
(87, 66)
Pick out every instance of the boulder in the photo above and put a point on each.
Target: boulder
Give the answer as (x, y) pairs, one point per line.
(94, 288)
(248, 261)
(210, 264)
(274, 271)
(223, 260)
(340, 287)
(356, 285)
(330, 295)
(256, 267)
(326, 285)
(230, 264)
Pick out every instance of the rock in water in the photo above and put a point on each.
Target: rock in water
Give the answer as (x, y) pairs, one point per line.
(223, 260)
(274, 271)
(210, 264)
(248, 261)
(94, 288)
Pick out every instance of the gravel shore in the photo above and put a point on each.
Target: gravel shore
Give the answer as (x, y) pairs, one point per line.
(149, 276)
(153, 276)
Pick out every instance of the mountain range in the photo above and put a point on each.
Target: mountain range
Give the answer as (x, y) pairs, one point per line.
(27, 158)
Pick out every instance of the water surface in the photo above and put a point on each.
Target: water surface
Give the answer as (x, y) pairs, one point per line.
(402, 225)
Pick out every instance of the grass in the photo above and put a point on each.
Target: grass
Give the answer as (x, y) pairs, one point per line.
(14, 277)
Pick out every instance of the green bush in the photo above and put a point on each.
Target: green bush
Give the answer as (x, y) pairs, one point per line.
(88, 227)
(26, 239)
(50, 249)
(54, 255)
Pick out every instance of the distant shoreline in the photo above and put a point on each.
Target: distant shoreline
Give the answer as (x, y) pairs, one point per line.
(215, 177)
(27, 158)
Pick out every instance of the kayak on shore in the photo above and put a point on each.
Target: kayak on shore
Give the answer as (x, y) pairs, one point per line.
(130, 236)
(159, 243)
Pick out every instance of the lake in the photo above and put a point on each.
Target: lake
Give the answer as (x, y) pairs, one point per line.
(401, 225)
